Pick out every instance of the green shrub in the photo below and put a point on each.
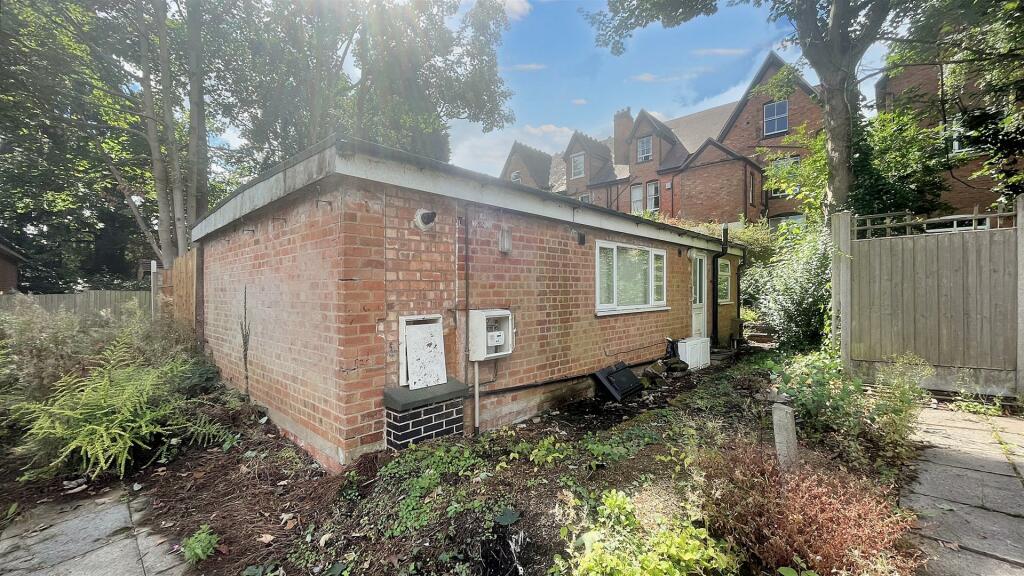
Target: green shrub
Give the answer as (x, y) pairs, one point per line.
(897, 404)
(104, 419)
(200, 545)
(614, 543)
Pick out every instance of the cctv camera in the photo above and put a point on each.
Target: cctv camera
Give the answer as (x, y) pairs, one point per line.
(424, 219)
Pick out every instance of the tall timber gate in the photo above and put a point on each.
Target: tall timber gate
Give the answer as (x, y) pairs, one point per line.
(944, 289)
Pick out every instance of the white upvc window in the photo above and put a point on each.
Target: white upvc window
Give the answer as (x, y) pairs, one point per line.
(776, 221)
(724, 282)
(636, 198)
(776, 117)
(629, 278)
(585, 198)
(516, 177)
(653, 196)
(576, 165)
(644, 149)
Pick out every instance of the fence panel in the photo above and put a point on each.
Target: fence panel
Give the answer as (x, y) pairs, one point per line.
(85, 303)
(949, 297)
(178, 288)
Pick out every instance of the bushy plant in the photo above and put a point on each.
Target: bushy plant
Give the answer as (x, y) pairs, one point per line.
(200, 545)
(897, 404)
(614, 543)
(828, 520)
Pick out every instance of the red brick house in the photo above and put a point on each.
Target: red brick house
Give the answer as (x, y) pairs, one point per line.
(917, 87)
(701, 167)
(367, 278)
(10, 259)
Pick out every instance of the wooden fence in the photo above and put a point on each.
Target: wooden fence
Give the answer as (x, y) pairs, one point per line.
(948, 294)
(178, 288)
(85, 303)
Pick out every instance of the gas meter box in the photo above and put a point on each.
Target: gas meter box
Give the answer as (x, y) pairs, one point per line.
(491, 334)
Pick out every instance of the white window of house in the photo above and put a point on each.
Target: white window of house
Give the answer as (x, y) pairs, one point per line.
(724, 281)
(653, 197)
(955, 134)
(750, 188)
(776, 117)
(576, 166)
(644, 149)
(585, 198)
(515, 177)
(629, 277)
(775, 221)
(783, 163)
(636, 198)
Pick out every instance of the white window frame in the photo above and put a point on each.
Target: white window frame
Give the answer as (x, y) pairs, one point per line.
(614, 307)
(782, 161)
(636, 201)
(581, 156)
(515, 176)
(642, 156)
(656, 197)
(775, 116)
(728, 282)
(585, 198)
(775, 221)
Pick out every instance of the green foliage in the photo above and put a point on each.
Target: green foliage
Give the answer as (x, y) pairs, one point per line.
(548, 452)
(977, 404)
(614, 543)
(200, 545)
(837, 412)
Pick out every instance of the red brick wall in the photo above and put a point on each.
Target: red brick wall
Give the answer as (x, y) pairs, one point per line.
(327, 284)
(713, 188)
(8, 275)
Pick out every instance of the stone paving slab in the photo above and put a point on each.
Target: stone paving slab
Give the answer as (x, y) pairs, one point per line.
(984, 462)
(969, 527)
(945, 561)
(948, 419)
(982, 489)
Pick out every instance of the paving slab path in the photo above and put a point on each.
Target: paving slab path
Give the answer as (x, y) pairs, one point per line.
(969, 494)
(99, 535)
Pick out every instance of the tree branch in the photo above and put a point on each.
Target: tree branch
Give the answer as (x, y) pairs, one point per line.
(128, 191)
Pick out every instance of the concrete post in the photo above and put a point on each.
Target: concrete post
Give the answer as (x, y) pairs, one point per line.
(842, 287)
(784, 424)
(1019, 225)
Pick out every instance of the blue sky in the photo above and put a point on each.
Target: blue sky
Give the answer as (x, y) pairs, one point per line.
(562, 81)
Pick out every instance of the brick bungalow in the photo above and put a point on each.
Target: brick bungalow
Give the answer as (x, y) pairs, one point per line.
(342, 258)
(706, 166)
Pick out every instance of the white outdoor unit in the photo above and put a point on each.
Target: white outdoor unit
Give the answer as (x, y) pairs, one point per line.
(695, 351)
(491, 334)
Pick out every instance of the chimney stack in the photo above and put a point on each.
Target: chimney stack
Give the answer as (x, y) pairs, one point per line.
(623, 126)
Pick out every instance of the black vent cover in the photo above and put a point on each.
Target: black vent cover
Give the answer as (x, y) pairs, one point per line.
(619, 381)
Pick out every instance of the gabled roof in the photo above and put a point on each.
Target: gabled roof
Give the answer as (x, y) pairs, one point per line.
(693, 129)
(660, 128)
(589, 144)
(10, 252)
(537, 163)
(771, 61)
(711, 142)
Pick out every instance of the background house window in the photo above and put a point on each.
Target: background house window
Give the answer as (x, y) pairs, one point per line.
(776, 117)
(576, 165)
(629, 277)
(515, 176)
(636, 198)
(750, 188)
(585, 198)
(724, 281)
(653, 197)
(782, 164)
(644, 149)
(775, 221)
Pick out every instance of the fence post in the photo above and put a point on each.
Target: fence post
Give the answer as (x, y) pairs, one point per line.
(1018, 222)
(154, 289)
(842, 291)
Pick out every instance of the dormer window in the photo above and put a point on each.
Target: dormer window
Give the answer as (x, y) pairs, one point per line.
(644, 147)
(576, 166)
(776, 117)
(515, 177)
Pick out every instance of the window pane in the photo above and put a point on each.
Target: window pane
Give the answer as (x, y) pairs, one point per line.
(606, 279)
(653, 196)
(724, 273)
(643, 149)
(577, 165)
(782, 107)
(633, 277)
(659, 277)
(636, 198)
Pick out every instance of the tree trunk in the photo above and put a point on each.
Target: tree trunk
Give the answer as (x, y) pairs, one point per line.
(164, 233)
(841, 110)
(170, 139)
(198, 149)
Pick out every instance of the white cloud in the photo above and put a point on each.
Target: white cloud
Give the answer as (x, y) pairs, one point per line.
(486, 152)
(658, 115)
(232, 137)
(720, 51)
(517, 9)
(645, 77)
(687, 76)
(529, 67)
(578, 101)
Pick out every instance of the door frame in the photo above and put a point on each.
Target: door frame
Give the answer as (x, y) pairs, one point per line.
(698, 288)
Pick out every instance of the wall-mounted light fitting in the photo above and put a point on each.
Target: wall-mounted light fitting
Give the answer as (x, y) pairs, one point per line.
(424, 219)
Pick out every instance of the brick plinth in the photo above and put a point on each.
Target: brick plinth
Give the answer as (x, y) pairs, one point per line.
(423, 423)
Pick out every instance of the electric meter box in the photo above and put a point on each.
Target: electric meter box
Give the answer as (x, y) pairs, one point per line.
(491, 334)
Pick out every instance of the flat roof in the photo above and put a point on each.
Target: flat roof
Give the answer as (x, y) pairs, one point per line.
(370, 161)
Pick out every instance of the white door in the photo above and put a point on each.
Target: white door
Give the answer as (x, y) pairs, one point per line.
(698, 285)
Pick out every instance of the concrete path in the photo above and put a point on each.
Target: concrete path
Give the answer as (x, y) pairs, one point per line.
(94, 536)
(969, 494)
